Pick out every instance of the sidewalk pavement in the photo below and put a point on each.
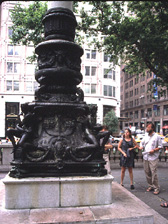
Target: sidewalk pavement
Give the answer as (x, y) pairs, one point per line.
(140, 184)
(126, 208)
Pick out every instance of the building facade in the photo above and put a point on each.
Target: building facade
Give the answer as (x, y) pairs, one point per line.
(138, 106)
(100, 84)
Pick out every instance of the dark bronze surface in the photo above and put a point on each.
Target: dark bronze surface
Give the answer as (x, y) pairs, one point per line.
(58, 134)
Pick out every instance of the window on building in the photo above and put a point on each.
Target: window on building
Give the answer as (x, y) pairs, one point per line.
(10, 50)
(114, 75)
(90, 88)
(114, 91)
(93, 71)
(8, 85)
(106, 58)
(131, 103)
(87, 53)
(136, 80)
(12, 85)
(12, 108)
(13, 50)
(108, 90)
(126, 105)
(142, 78)
(11, 116)
(131, 115)
(93, 88)
(165, 110)
(143, 89)
(90, 54)
(136, 114)
(149, 112)
(131, 83)
(107, 73)
(10, 32)
(90, 71)
(131, 93)
(142, 113)
(136, 91)
(149, 98)
(13, 67)
(156, 110)
(126, 85)
(87, 71)
(93, 54)
(16, 85)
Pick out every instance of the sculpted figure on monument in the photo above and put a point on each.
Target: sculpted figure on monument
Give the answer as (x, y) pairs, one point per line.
(24, 129)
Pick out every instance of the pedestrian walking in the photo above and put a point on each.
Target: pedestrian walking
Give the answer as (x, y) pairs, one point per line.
(126, 146)
(151, 144)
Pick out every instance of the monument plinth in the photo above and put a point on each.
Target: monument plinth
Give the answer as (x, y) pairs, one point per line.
(58, 134)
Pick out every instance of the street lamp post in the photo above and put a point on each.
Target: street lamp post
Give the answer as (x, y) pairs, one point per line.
(58, 135)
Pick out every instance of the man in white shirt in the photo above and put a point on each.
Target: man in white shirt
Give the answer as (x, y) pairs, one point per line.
(151, 144)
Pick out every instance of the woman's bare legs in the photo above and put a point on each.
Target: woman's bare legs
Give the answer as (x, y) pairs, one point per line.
(122, 174)
(131, 175)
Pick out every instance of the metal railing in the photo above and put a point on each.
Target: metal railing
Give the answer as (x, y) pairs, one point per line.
(114, 154)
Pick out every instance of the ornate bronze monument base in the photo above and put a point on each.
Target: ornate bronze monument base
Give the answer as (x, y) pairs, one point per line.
(58, 135)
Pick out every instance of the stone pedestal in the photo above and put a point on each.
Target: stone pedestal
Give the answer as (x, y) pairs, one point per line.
(7, 155)
(51, 192)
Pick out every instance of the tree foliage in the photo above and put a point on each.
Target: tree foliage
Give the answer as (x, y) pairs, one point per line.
(136, 35)
(111, 121)
(27, 24)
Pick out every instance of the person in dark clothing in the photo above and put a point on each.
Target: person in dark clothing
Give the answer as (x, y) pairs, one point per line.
(126, 147)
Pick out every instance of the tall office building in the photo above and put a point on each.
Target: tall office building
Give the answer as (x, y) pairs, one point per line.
(138, 106)
(100, 84)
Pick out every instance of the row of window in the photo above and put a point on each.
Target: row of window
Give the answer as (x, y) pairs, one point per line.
(136, 90)
(130, 83)
(108, 73)
(16, 51)
(142, 77)
(92, 54)
(137, 102)
(13, 85)
(15, 67)
(142, 99)
(156, 111)
(107, 90)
